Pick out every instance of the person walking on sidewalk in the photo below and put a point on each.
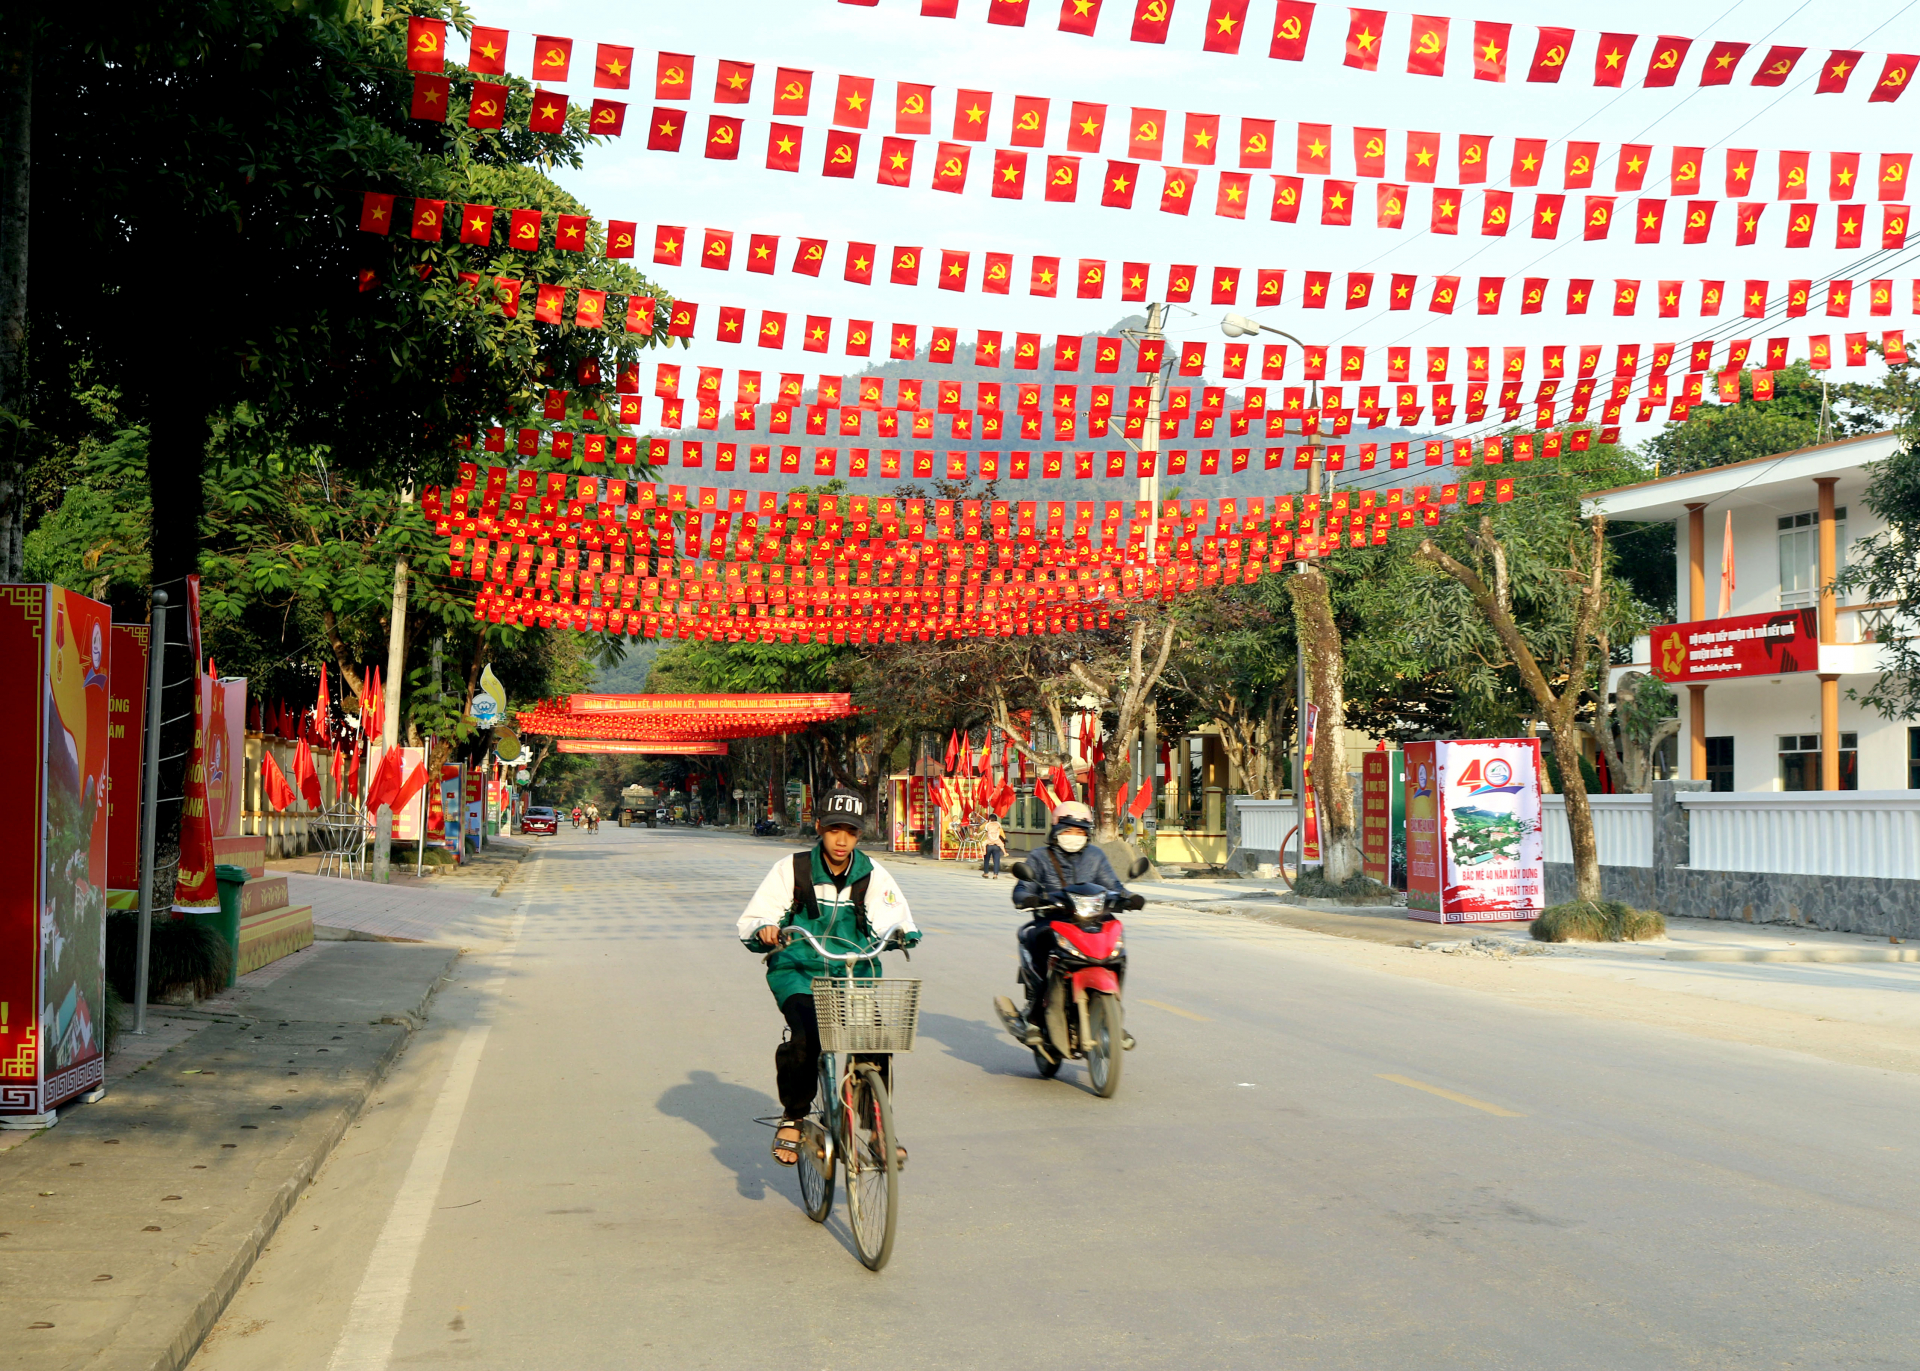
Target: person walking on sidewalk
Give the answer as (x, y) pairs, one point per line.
(993, 847)
(833, 890)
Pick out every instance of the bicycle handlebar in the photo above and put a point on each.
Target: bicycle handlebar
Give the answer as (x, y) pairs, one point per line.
(886, 944)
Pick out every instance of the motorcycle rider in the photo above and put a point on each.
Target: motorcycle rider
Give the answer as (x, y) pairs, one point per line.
(1068, 859)
(833, 891)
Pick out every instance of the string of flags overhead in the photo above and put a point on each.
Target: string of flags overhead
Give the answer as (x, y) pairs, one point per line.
(1429, 39)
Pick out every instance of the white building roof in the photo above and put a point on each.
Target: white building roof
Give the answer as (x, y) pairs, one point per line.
(1784, 482)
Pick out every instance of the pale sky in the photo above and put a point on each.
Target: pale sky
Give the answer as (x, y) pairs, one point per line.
(891, 42)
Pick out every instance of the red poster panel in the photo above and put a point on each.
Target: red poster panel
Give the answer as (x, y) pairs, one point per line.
(1491, 844)
(1423, 830)
(1739, 645)
(54, 815)
(1376, 815)
(126, 745)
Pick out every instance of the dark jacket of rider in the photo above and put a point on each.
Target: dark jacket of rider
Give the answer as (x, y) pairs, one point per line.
(1057, 869)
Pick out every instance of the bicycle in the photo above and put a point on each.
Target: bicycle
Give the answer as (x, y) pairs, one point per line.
(852, 1130)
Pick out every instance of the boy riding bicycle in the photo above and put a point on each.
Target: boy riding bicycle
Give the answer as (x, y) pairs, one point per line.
(834, 891)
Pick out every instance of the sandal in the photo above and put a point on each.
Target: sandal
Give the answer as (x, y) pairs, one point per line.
(786, 1150)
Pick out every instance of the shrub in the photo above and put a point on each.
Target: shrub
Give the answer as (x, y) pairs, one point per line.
(1597, 921)
(1358, 888)
(182, 955)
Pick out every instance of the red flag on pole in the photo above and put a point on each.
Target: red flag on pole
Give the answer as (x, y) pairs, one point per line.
(274, 781)
(409, 788)
(386, 781)
(304, 774)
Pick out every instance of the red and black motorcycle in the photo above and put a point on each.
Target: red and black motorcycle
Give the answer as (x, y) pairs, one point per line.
(1082, 1014)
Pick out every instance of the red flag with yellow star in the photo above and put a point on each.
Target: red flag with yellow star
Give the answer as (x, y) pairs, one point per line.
(429, 97)
(1610, 58)
(783, 147)
(1364, 28)
(549, 112)
(1490, 51)
(613, 67)
(896, 161)
(487, 51)
(376, 212)
(1226, 20)
(1836, 71)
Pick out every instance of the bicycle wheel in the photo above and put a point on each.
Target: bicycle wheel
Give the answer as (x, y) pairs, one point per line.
(872, 1167)
(816, 1170)
(1105, 1051)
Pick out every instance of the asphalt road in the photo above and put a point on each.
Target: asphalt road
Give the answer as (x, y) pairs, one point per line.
(1309, 1164)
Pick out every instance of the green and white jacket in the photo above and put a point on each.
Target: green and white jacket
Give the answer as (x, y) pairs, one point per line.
(791, 970)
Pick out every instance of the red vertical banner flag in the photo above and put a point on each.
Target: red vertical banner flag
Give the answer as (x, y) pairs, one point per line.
(1364, 30)
(1150, 20)
(1721, 61)
(950, 167)
(1009, 174)
(426, 44)
(1610, 58)
(429, 97)
(1292, 24)
(853, 102)
(912, 108)
(549, 113)
(1427, 46)
(551, 58)
(673, 76)
(1836, 71)
(487, 51)
(1894, 77)
(608, 118)
(1777, 65)
(1012, 13)
(1663, 67)
(1490, 51)
(896, 162)
(613, 67)
(1076, 16)
(1550, 55)
(1895, 168)
(1226, 22)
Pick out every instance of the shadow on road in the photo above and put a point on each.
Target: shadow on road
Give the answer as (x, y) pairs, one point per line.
(978, 1043)
(726, 1113)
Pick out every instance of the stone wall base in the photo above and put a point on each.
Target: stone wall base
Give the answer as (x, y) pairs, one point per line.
(1840, 904)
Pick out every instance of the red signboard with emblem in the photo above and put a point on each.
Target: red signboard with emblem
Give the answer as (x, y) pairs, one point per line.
(1739, 645)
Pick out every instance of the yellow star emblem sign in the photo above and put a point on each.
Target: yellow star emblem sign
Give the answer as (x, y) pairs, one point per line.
(547, 111)
(975, 114)
(1364, 40)
(1089, 126)
(1446, 209)
(1546, 214)
(859, 264)
(1233, 194)
(736, 81)
(490, 51)
(1316, 148)
(817, 333)
(1010, 173)
(1202, 139)
(1337, 200)
(666, 129)
(1649, 220)
(1424, 157)
(760, 251)
(1634, 164)
(432, 96)
(1046, 277)
(1490, 52)
(1135, 282)
(670, 246)
(856, 102)
(1120, 184)
(616, 67)
(898, 160)
(785, 145)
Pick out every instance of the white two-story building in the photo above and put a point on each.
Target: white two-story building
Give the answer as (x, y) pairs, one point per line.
(1766, 689)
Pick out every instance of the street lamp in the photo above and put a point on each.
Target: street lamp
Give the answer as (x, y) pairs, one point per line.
(1240, 326)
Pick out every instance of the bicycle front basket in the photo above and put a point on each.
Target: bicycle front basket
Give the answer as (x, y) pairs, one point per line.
(866, 1015)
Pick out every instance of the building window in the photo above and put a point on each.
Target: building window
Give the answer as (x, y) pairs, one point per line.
(1719, 764)
(1913, 759)
(1800, 761)
(1800, 556)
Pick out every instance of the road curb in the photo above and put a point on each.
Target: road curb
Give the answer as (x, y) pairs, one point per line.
(324, 1135)
(1794, 954)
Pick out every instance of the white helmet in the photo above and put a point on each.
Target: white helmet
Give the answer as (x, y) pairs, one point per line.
(1074, 813)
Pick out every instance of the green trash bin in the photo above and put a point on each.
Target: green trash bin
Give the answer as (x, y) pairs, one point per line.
(232, 879)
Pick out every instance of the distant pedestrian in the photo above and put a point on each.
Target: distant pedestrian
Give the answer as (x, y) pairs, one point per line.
(993, 842)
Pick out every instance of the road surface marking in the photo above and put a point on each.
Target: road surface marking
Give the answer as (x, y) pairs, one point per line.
(1183, 1013)
(366, 1343)
(1453, 1095)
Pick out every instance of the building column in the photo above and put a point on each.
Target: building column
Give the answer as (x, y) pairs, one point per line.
(1829, 684)
(1697, 609)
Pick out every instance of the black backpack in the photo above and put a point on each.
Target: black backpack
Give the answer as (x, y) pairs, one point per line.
(804, 898)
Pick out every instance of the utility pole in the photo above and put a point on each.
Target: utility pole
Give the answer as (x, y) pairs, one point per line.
(149, 805)
(1150, 439)
(390, 705)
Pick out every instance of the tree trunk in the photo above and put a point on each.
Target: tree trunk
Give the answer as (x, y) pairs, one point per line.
(1130, 710)
(1319, 638)
(1496, 603)
(16, 146)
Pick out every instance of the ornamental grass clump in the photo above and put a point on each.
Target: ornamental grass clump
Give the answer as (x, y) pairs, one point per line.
(1597, 921)
(183, 955)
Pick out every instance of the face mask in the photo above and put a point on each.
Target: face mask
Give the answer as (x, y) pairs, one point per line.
(1071, 840)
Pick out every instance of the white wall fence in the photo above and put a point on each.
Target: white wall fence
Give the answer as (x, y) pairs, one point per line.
(1622, 828)
(1263, 823)
(1804, 833)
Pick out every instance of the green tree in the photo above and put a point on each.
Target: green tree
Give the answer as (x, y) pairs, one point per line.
(1885, 568)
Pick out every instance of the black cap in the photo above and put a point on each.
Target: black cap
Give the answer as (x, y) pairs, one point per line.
(840, 808)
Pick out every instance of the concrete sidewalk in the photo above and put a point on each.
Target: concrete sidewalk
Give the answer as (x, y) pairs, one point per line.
(125, 1229)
